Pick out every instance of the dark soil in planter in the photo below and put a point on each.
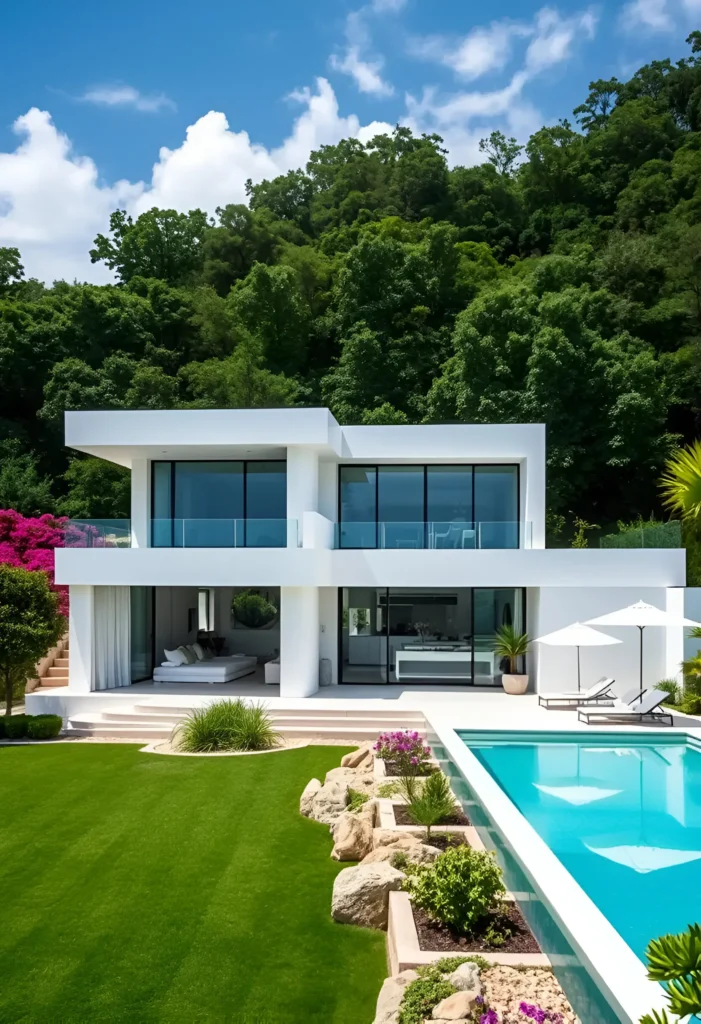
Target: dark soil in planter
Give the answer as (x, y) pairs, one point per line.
(444, 840)
(392, 768)
(401, 816)
(439, 937)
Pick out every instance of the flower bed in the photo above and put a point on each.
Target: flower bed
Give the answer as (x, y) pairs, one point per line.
(434, 936)
(402, 816)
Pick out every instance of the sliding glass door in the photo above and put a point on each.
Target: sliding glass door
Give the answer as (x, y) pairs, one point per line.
(141, 631)
(426, 636)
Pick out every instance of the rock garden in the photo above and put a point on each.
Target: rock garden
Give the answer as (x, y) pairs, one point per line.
(458, 947)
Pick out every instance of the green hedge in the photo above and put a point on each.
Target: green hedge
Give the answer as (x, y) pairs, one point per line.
(647, 535)
(34, 727)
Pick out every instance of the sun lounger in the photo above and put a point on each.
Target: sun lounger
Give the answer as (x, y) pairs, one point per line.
(645, 710)
(600, 691)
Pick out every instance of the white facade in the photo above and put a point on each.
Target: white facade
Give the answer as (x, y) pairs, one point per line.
(560, 586)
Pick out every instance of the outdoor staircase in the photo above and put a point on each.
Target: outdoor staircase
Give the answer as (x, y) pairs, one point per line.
(52, 671)
(152, 720)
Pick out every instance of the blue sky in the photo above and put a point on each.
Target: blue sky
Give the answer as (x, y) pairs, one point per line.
(90, 93)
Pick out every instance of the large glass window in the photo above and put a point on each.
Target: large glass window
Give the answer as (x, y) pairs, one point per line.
(358, 507)
(449, 506)
(461, 506)
(141, 633)
(400, 506)
(219, 504)
(425, 635)
(496, 506)
(266, 504)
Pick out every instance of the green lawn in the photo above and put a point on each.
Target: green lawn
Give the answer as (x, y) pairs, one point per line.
(135, 887)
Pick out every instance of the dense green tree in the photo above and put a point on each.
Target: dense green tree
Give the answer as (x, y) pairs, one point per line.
(160, 243)
(96, 490)
(22, 486)
(30, 625)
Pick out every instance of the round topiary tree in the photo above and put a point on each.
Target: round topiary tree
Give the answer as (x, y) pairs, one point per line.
(253, 610)
(30, 625)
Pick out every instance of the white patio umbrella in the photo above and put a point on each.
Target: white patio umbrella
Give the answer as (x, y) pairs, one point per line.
(641, 615)
(577, 635)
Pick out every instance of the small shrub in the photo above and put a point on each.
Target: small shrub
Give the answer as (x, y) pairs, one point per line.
(671, 687)
(226, 725)
(406, 751)
(432, 803)
(448, 964)
(356, 799)
(15, 727)
(409, 786)
(44, 727)
(422, 994)
(459, 888)
(399, 860)
(690, 704)
(386, 790)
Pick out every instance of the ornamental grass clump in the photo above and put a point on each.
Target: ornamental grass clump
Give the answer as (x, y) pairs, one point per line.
(432, 803)
(226, 725)
(405, 752)
(461, 888)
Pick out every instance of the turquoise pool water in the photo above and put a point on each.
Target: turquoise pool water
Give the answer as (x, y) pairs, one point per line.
(622, 814)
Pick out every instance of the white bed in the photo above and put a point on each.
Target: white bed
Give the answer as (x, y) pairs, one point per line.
(216, 670)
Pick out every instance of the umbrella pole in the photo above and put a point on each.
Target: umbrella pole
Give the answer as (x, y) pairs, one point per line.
(579, 678)
(641, 628)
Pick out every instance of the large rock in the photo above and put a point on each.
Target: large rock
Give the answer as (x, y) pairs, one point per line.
(456, 1007)
(307, 798)
(390, 997)
(360, 758)
(361, 894)
(466, 978)
(390, 836)
(329, 802)
(363, 781)
(352, 837)
(415, 852)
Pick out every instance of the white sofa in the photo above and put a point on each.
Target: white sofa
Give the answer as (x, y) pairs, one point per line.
(216, 670)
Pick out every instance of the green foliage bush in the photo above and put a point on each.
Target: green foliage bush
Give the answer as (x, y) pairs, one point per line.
(253, 610)
(44, 727)
(675, 960)
(226, 725)
(16, 727)
(645, 534)
(356, 799)
(432, 803)
(426, 991)
(459, 889)
(671, 687)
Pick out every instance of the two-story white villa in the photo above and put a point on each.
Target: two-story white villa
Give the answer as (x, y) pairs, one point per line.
(357, 555)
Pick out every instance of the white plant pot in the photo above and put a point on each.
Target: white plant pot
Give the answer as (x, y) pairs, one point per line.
(514, 684)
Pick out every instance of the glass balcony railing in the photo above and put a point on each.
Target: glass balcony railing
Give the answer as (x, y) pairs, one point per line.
(224, 533)
(439, 536)
(647, 535)
(97, 533)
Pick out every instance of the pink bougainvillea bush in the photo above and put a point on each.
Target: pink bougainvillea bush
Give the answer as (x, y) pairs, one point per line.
(29, 543)
(405, 752)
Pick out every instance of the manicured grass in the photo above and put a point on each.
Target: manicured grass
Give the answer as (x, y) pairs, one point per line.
(136, 887)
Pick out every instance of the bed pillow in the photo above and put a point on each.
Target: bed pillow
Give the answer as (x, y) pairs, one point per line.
(189, 657)
(199, 653)
(175, 657)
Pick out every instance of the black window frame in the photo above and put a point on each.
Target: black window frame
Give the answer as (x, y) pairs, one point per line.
(173, 462)
(385, 637)
(376, 466)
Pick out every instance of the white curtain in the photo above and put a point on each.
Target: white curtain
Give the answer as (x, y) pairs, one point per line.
(112, 637)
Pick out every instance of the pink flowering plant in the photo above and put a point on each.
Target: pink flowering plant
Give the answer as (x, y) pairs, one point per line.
(28, 543)
(405, 751)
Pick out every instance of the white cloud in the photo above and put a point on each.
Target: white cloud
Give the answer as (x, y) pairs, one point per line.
(490, 48)
(365, 68)
(651, 15)
(127, 96)
(53, 203)
(554, 36)
(484, 49)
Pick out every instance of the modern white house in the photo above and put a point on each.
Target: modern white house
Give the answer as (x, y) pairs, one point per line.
(313, 553)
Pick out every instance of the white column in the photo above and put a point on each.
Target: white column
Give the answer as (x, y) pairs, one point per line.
(674, 642)
(81, 638)
(140, 504)
(299, 641)
(302, 483)
(533, 498)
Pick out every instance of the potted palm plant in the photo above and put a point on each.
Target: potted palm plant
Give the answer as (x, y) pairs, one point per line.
(512, 645)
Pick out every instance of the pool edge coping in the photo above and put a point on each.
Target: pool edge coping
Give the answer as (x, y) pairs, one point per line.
(616, 970)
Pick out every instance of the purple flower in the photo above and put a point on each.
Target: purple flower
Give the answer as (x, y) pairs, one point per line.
(490, 1017)
(479, 1000)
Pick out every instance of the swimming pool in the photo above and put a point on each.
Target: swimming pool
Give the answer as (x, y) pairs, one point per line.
(622, 814)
